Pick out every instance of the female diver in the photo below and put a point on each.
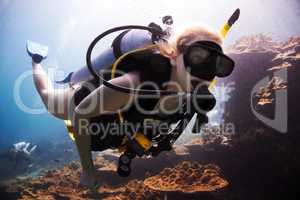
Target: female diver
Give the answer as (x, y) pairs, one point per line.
(190, 58)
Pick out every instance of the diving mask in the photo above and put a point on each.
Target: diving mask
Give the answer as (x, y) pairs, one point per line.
(205, 60)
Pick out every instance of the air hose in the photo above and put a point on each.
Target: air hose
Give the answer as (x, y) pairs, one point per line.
(116, 87)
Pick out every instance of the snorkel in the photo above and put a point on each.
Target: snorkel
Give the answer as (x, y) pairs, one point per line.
(227, 26)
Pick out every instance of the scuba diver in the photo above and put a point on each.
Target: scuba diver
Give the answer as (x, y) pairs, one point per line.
(20, 154)
(168, 67)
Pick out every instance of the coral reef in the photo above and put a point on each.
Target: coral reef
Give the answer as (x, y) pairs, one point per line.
(255, 163)
(254, 43)
(268, 150)
(258, 57)
(188, 177)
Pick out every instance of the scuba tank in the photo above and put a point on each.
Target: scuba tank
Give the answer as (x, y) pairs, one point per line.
(134, 37)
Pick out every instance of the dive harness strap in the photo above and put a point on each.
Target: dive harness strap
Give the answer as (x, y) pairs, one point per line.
(116, 44)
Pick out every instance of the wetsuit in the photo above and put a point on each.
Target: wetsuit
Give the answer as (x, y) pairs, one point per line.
(152, 67)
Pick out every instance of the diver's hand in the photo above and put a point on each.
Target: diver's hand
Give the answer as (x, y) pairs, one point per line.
(88, 179)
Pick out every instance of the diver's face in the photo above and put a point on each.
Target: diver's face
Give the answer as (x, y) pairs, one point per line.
(184, 77)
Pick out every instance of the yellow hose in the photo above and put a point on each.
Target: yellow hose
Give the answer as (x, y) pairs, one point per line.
(117, 62)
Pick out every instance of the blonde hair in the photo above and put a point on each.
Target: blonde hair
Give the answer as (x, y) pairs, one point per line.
(180, 38)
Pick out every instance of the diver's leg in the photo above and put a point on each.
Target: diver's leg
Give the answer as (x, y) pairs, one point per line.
(111, 100)
(57, 101)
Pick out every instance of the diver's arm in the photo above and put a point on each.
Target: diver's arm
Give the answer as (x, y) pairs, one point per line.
(103, 99)
(25, 150)
(32, 149)
(100, 101)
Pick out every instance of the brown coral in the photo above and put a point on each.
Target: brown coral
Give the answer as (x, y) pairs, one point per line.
(187, 177)
(254, 43)
(266, 94)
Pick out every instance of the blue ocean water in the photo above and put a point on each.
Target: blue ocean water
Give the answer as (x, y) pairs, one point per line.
(68, 26)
